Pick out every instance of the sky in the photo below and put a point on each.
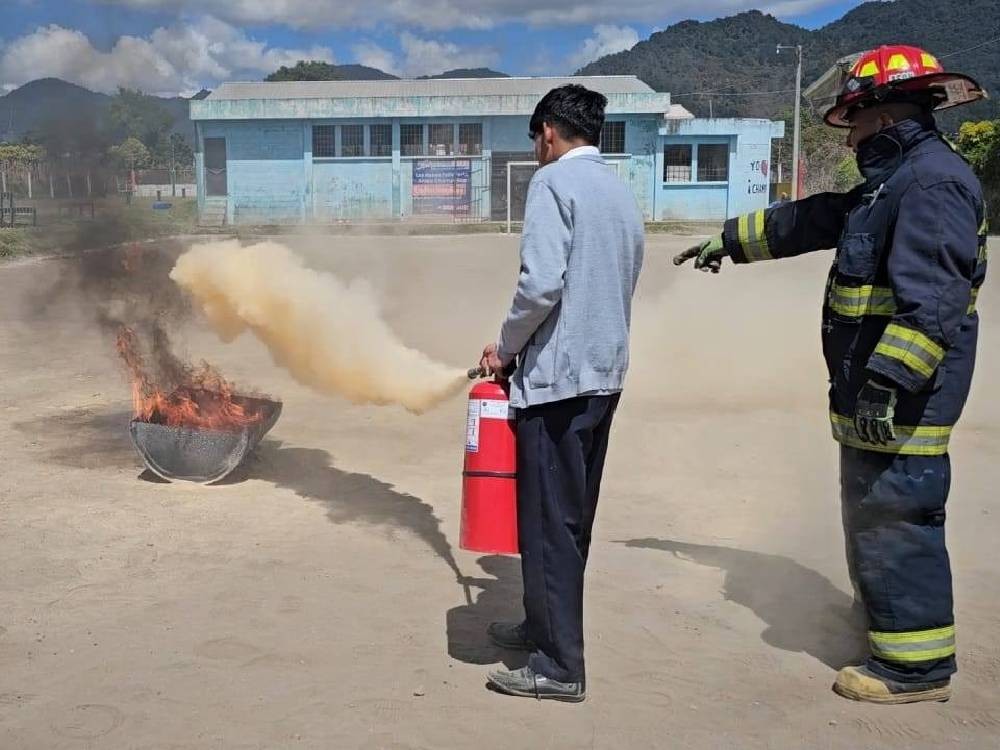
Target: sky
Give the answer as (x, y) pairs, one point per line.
(170, 47)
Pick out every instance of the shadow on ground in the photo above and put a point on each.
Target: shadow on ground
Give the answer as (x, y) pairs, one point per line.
(83, 438)
(349, 498)
(499, 598)
(96, 439)
(803, 610)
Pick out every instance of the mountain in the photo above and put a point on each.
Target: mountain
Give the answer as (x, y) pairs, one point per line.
(53, 104)
(317, 70)
(362, 73)
(39, 102)
(735, 57)
(469, 73)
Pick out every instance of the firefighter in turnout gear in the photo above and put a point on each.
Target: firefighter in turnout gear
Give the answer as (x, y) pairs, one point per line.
(899, 330)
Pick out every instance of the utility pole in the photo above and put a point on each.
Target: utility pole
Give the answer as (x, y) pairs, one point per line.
(173, 173)
(798, 104)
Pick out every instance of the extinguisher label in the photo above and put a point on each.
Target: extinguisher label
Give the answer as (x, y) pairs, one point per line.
(472, 428)
(493, 409)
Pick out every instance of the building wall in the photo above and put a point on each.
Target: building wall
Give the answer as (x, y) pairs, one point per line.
(352, 189)
(746, 186)
(265, 165)
(273, 176)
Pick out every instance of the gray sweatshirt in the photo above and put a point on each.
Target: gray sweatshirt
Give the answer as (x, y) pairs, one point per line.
(581, 252)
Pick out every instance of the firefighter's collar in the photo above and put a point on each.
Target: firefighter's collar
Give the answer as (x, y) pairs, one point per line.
(880, 156)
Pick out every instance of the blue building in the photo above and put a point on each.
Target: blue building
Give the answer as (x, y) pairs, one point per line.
(330, 151)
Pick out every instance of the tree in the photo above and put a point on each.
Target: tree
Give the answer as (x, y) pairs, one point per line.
(830, 165)
(137, 115)
(313, 70)
(976, 140)
(20, 155)
(18, 161)
(172, 150)
(979, 142)
(130, 154)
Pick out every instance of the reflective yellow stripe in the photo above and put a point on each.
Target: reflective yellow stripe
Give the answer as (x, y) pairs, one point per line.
(914, 646)
(743, 234)
(752, 237)
(858, 301)
(911, 348)
(861, 301)
(765, 250)
(898, 62)
(973, 301)
(910, 657)
(915, 636)
(927, 440)
(870, 68)
(907, 357)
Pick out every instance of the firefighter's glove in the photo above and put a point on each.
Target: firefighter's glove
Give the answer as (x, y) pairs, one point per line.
(874, 413)
(707, 256)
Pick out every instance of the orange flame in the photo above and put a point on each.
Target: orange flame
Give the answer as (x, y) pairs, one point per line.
(204, 401)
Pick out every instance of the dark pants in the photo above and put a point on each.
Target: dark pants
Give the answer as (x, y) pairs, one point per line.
(894, 514)
(560, 453)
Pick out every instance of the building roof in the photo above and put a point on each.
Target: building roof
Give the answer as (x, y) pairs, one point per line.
(442, 97)
(536, 87)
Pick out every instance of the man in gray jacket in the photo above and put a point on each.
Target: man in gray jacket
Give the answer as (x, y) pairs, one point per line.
(568, 333)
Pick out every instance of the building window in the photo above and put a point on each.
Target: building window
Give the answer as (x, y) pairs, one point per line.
(613, 138)
(381, 138)
(411, 140)
(677, 163)
(713, 162)
(324, 141)
(441, 139)
(352, 140)
(470, 139)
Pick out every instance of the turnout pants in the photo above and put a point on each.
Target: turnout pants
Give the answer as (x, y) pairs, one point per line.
(560, 453)
(894, 514)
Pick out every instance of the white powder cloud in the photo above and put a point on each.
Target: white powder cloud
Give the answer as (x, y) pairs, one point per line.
(173, 59)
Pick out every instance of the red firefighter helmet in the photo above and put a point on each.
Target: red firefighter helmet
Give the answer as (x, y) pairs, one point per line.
(893, 72)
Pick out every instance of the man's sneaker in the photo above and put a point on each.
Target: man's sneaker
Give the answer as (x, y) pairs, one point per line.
(509, 635)
(526, 683)
(861, 684)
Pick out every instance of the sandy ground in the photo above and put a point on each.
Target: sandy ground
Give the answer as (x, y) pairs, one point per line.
(312, 602)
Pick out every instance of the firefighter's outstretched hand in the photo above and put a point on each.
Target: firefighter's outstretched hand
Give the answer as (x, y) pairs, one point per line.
(490, 362)
(707, 256)
(874, 413)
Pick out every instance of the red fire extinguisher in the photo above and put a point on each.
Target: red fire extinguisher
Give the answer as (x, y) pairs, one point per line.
(489, 481)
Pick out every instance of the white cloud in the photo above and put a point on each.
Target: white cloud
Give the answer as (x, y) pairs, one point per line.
(421, 56)
(370, 54)
(173, 59)
(467, 14)
(785, 8)
(607, 40)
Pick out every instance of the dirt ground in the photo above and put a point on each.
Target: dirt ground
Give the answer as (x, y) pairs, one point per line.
(312, 601)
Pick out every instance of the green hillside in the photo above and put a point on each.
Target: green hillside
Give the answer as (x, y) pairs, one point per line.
(735, 59)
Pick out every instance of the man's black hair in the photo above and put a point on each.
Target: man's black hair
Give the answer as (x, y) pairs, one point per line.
(574, 111)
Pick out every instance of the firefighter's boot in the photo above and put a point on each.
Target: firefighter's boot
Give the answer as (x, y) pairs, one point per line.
(861, 684)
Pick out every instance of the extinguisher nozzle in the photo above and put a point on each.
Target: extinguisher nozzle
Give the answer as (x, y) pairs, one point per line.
(475, 373)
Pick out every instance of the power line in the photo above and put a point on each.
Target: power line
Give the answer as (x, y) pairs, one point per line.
(970, 49)
(727, 93)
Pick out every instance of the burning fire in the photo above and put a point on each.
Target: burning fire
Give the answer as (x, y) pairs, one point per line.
(202, 400)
